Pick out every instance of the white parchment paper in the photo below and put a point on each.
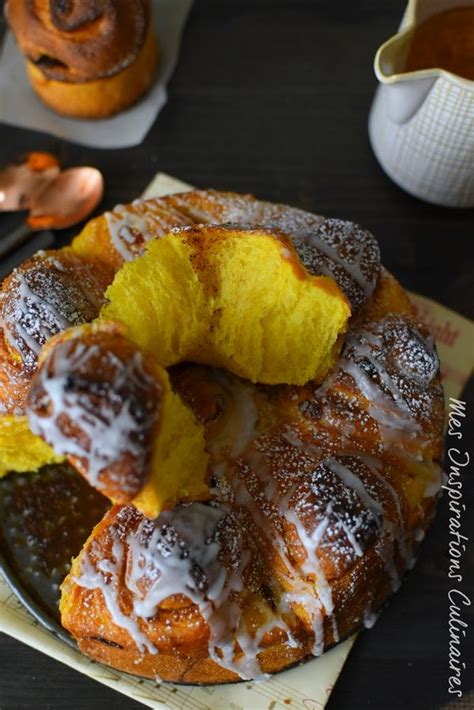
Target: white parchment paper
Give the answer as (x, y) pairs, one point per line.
(20, 107)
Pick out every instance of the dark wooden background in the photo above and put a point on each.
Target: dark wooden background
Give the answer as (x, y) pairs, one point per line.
(272, 97)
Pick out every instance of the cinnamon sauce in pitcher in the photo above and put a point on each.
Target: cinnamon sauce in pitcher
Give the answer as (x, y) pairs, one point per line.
(444, 41)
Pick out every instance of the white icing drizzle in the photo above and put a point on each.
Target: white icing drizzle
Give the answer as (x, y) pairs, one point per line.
(111, 430)
(245, 500)
(419, 534)
(241, 428)
(392, 533)
(310, 543)
(335, 630)
(180, 553)
(132, 226)
(44, 297)
(374, 464)
(398, 532)
(389, 415)
(392, 366)
(312, 606)
(352, 267)
(165, 561)
(106, 578)
(434, 486)
(345, 252)
(248, 666)
(197, 214)
(370, 619)
(350, 479)
(125, 226)
(303, 591)
(26, 298)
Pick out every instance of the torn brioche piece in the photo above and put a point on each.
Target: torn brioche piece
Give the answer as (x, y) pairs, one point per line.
(234, 298)
(99, 401)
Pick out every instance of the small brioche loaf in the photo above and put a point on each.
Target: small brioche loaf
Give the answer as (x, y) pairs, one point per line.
(86, 59)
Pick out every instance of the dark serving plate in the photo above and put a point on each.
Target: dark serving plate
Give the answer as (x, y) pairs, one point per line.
(45, 518)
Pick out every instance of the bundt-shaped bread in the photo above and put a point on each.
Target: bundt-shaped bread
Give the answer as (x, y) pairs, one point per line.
(319, 493)
(229, 297)
(320, 496)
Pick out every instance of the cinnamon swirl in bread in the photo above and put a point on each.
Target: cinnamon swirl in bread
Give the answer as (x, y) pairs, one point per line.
(314, 495)
(241, 299)
(48, 293)
(233, 291)
(311, 525)
(86, 59)
(110, 410)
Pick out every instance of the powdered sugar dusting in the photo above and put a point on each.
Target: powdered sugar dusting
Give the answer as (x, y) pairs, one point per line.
(307, 484)
(43, 297)
(331, 247)
(100, 407)
(347, 253)
(298, 497)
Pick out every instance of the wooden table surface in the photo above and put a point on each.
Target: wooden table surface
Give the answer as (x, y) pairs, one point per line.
(272, 97)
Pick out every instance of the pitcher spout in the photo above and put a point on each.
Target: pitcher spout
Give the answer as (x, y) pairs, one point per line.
(405, 91)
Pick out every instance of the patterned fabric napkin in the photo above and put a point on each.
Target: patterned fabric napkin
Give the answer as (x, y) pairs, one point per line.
(306, 687)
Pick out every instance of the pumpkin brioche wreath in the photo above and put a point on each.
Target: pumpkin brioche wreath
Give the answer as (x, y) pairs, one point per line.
(251, 390)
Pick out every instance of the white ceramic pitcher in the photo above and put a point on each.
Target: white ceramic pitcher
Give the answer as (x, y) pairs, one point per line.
(421, 124)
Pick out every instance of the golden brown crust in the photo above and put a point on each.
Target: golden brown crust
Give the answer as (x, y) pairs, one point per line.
(45, 295)
(95, 395)
(177, 630)
(341, 249)
(14, 381)
(320, 493)
(79, 40)
(314, 458)
(100, 98)
(389, 296)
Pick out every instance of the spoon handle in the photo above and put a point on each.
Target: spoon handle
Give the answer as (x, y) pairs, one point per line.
(14, 239)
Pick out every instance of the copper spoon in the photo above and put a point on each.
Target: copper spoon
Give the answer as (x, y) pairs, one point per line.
(19, 181)
(63, 202)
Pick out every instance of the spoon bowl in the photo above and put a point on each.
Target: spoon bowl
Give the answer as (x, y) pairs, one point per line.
(67, 199)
